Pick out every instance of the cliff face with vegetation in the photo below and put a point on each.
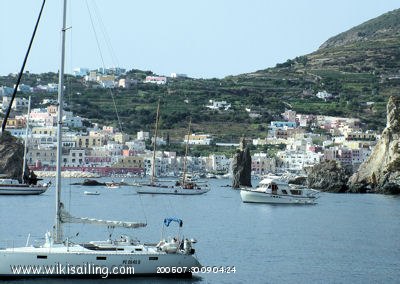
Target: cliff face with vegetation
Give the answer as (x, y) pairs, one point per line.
(381, 172)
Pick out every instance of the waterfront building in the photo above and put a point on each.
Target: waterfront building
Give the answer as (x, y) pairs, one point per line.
(261, 164)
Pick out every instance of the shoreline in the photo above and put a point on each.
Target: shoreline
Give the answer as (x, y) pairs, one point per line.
(67, 174)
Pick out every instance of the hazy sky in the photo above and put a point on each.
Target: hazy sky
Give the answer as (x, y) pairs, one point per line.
(201, 38)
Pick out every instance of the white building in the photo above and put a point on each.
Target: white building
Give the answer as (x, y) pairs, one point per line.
(218, 163)
(81, 72)
(295, 161)
(136, 145)
(324, 95)
(215, 105)
(159, 80)
(18, 103)
(72, 121)
(177, 75)
(261, 164)
(142, 135)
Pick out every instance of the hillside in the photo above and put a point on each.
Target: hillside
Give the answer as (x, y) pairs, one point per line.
(357, 66)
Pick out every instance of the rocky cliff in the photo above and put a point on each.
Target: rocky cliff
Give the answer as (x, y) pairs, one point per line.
(241, 166)
(328, 176)
(381, 172)
(11, 156)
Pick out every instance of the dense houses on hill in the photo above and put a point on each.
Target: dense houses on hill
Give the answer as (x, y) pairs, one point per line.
(104, 150)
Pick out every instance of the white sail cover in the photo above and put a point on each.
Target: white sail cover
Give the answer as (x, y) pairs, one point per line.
(66, 217)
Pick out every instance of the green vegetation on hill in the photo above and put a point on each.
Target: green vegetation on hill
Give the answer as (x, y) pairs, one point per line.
(359, 67)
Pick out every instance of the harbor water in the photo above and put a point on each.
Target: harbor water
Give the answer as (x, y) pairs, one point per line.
(344, 238)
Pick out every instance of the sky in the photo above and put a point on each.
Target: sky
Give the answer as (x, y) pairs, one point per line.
(200, 38)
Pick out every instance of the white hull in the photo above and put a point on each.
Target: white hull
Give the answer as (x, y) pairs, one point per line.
(263, 197)
(22, 190)
(77, 261)
(177, 190)
(91, 193)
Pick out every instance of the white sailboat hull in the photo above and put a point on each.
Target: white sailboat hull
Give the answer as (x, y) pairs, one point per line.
(22, 190)
(77, 261)
(176, 190)
(264, 197)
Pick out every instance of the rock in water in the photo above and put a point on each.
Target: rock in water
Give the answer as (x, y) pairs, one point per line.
(328, 176)
(241, 166)
(11, 156)
(381, 172)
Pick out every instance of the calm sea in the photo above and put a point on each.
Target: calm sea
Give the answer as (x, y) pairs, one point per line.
(343, 239)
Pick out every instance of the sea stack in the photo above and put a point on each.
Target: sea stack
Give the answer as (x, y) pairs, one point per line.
(241, 166)
(381, 172)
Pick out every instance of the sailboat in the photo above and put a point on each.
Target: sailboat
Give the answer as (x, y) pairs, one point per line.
(124, 256)
(185, 186)
(29, 186)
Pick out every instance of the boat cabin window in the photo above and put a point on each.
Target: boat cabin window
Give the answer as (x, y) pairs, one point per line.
(101, 258)
(274, 188)
(295, 191)
(42, 256)
(284, 191)
(153, 258)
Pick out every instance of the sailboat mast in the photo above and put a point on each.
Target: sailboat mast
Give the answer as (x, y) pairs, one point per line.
(26, 139)
(153, 164)
(58, 235)
(186, 153)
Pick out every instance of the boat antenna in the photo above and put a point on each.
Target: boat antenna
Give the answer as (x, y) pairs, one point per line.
(153, 166)
(58, 235)
(3, 125)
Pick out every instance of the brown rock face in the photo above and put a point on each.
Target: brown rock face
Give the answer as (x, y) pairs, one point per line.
(328, 176)
(381, 172)
(11, 156)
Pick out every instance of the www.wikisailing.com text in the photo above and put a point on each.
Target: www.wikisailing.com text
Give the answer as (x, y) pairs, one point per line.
(68, 269)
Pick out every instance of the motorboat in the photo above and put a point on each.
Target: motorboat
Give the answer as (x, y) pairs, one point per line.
(113, 185)
(276, 191)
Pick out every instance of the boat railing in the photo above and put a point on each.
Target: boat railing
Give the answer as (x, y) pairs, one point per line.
(7, 244)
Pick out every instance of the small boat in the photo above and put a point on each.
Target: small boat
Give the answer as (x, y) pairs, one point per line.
(185, 189)
(277, 191)
(113, 185)
(91, 192)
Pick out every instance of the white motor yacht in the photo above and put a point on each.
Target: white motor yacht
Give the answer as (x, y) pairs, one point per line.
(276, 191)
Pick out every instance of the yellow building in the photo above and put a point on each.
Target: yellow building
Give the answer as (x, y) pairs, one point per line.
(50, 131)
(130, 162)
(198, 139)
(15, 122)
(90, 141)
